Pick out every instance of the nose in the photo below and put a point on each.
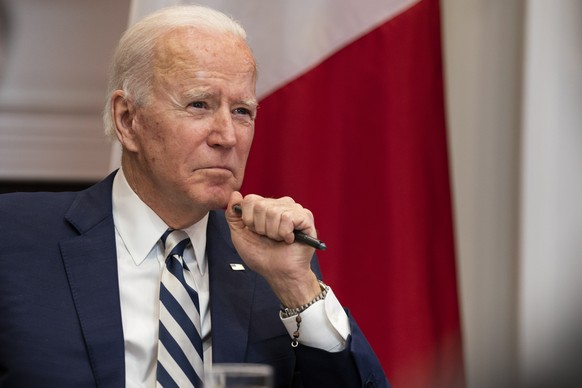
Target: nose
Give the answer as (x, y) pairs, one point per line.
(223, 130)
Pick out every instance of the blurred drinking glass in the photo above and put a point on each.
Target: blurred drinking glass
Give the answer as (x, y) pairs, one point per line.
(239, 376)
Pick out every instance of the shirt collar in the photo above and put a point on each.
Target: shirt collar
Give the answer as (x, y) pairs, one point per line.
(140, 228)
(197, 234)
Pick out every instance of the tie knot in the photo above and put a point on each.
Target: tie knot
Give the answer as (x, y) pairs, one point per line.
(174, 241)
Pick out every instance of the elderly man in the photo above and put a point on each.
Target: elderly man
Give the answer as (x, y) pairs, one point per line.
(142, 279)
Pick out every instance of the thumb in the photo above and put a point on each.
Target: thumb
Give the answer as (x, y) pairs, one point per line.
(232, 217)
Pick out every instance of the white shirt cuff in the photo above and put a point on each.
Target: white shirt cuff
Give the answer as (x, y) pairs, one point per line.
(324, 325)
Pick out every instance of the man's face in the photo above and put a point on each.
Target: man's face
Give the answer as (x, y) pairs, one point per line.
(194, 133)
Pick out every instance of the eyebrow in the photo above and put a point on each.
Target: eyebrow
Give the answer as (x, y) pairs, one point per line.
(203, 95)
(251, 102)
(197, 95)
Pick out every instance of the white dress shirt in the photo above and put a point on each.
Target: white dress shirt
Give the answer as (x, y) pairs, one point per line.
(140, 260)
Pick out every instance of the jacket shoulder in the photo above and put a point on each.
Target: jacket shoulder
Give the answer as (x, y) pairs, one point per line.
(37, 211)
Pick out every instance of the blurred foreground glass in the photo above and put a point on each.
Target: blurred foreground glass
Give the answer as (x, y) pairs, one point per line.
(239, 376)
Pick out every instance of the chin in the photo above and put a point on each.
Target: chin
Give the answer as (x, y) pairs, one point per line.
(215, 199)
(218, 205)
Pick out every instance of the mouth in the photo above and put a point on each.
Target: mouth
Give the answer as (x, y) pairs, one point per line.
(216, 169)
(220, 172)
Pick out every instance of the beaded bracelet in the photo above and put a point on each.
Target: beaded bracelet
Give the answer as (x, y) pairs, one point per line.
(288, 312)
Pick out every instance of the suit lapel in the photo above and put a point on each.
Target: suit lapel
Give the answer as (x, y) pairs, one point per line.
(231, 294)
(91, 264)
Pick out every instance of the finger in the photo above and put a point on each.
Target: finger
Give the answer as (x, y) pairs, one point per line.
(306, 223)
(279, 212)
(235, 199)
(273, 223)
(249, 209)
(262, 212)
(286, 227)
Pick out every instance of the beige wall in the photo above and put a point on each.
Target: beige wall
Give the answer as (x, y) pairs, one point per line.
(483, 54)
(53, 88)
(514, 94)
(550, 290)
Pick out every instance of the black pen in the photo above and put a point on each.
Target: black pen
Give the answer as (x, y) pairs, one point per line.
(299, 236)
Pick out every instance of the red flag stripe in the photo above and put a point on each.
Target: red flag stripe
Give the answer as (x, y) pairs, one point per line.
(360, 139)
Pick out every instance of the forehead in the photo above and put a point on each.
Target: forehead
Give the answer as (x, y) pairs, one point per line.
(191, 49)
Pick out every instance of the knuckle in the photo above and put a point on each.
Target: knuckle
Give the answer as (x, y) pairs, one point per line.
(287, 199)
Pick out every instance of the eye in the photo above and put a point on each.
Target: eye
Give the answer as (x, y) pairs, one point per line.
(242, 111)
(198, 104)
(245, 112)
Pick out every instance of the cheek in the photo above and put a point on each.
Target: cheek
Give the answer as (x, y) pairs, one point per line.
(247, 138)
(153, 138)
(245, 150)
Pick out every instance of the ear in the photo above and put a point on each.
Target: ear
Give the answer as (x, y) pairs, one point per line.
(123, 112)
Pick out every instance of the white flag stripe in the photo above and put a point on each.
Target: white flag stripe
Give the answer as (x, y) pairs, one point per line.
(173, 368)
(312, 30)
(182, 339)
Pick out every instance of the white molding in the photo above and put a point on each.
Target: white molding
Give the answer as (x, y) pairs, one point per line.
(53, 86)
(52, 146)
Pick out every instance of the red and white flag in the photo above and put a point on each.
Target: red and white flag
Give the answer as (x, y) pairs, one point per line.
(351, 124)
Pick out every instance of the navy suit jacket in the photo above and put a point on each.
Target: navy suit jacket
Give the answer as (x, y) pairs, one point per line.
(60, 316)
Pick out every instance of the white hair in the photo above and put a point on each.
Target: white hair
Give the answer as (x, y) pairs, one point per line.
(132, 64)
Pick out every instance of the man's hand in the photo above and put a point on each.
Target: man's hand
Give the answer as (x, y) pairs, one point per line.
(263, 236)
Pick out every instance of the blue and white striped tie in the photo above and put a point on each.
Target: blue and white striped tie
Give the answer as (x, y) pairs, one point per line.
(180, 362)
